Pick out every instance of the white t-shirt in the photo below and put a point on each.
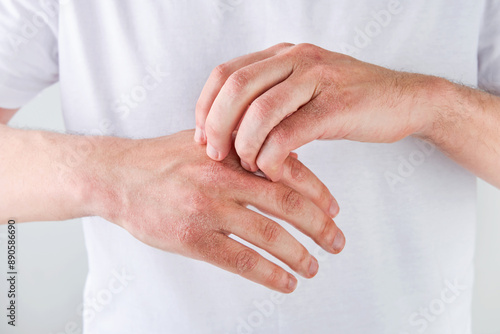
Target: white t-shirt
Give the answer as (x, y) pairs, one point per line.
(135, 69)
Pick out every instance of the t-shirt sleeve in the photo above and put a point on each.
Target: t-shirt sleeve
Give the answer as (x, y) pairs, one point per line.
(28, 49)
(489, 49)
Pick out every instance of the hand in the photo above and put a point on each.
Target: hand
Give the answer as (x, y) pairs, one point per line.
(167, 193)
(288, 95)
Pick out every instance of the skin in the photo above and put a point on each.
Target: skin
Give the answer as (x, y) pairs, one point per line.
(288, 95)
(167, 193)
(6, 115)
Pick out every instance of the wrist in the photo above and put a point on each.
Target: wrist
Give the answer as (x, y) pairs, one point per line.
(97, 178)
(124, 171)
(437, 109)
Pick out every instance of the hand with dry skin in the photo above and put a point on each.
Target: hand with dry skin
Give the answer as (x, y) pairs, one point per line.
(288, 95)
(170, 195)
(167, 193)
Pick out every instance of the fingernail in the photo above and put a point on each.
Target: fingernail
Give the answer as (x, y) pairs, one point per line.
(245, 165)
(334, 209)
(212, 152)
(313, 267)
(338, 242)
(292, 283)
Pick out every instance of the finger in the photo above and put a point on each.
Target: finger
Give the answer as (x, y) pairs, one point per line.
(289, 205)
(300, 178)
(217, 79)
(294, 155)
(267, 111)
(274, 239)
(230, 255)
(240, 89)
(303, 126)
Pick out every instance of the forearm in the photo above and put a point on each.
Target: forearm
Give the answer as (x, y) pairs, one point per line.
(466, 126)
(48, 176)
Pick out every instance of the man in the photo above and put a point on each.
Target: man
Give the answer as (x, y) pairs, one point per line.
(135, 70)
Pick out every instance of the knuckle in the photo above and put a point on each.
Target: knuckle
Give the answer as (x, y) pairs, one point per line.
(297, 170)
(188, 234)
(275, 277)
(304, 258)
(264, 164)
(261, 108)
(246, 149)
(270, 166)
(197, 203)
(291, 202)
(237, 82)
(220, 72)
(283, 45)
(246, 260)
(279, 136)
(324, 197)
(310, 57)
(325, 231)
(270, 232)
(307, 49)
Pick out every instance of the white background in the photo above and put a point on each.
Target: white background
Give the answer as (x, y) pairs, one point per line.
(53, 264)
